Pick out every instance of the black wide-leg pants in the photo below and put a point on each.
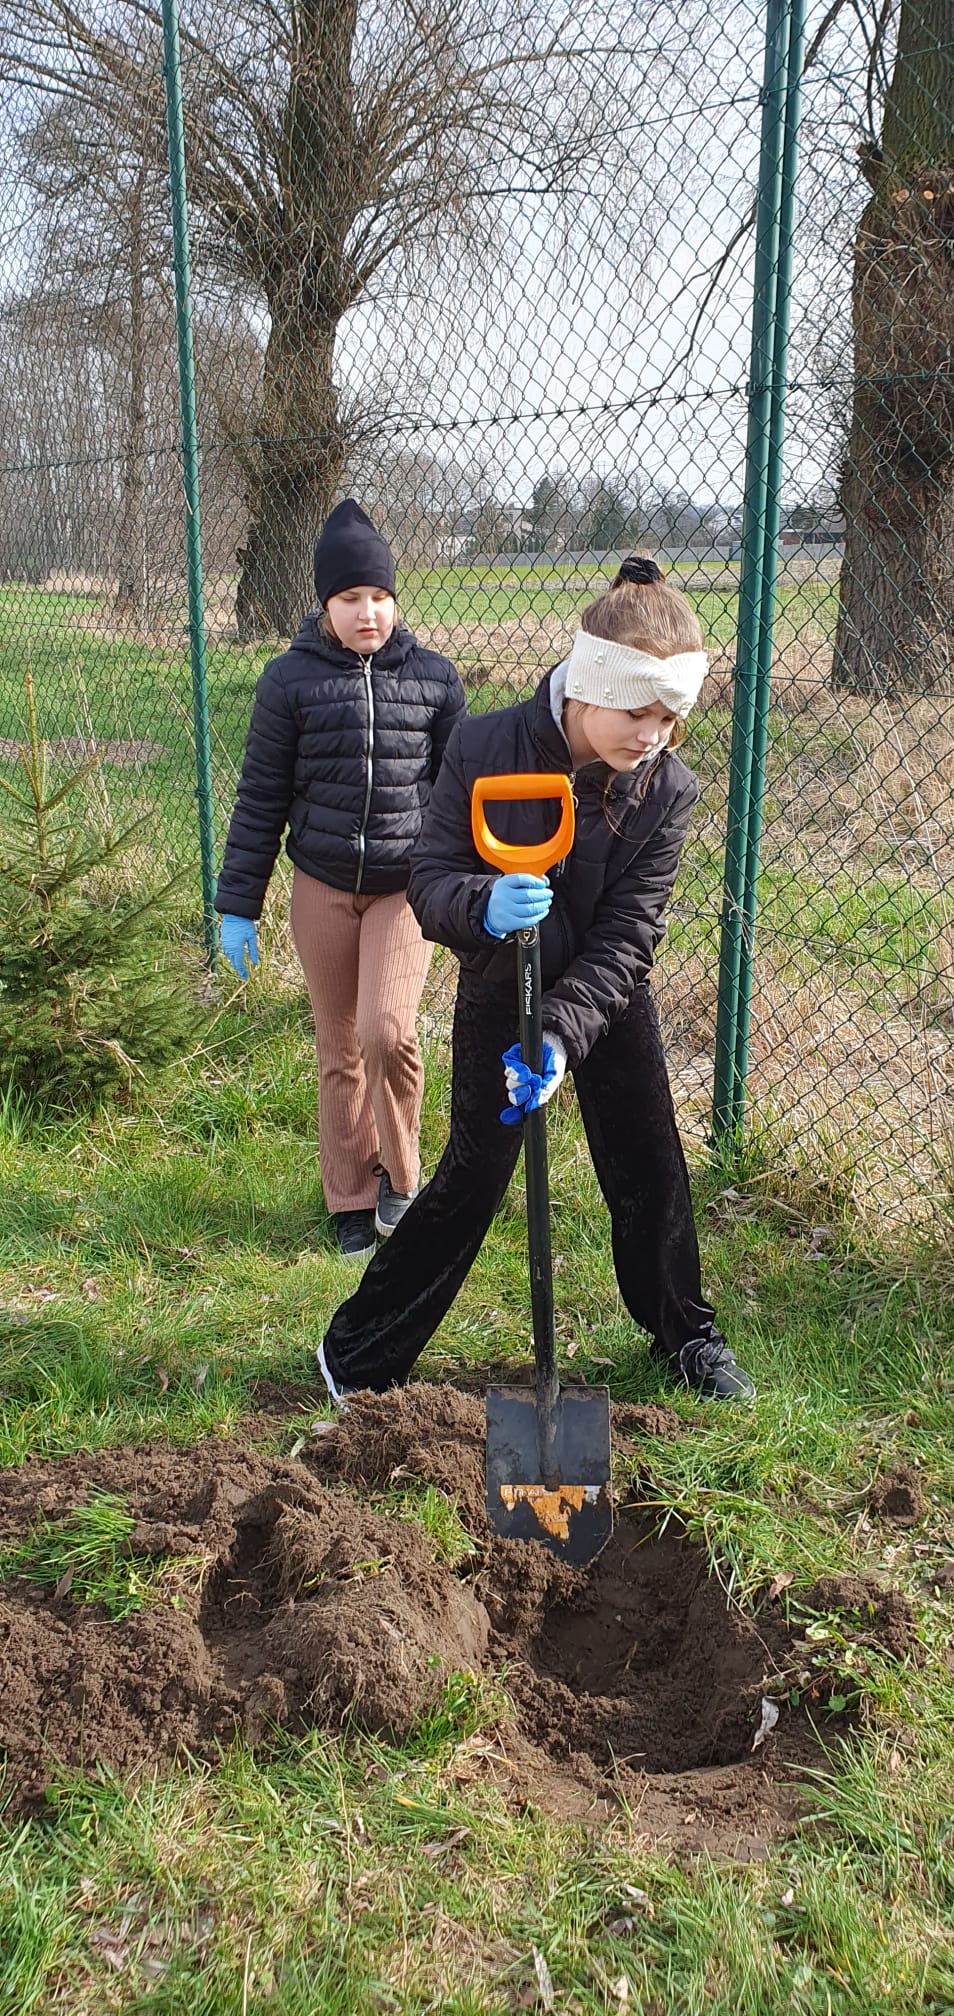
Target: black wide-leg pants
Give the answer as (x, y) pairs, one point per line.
(626, 1106)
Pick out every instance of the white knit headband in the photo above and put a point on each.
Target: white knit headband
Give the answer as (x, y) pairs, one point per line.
(615, 675)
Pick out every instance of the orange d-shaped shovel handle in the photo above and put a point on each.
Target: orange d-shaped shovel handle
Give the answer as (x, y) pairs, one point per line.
(538, 856)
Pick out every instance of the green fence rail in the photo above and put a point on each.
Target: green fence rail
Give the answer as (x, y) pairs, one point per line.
(774, 225)
(172, 75)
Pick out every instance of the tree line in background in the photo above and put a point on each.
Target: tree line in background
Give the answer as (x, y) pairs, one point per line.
(342, 157)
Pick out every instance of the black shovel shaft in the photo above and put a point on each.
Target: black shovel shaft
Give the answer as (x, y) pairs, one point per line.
(538, 1204)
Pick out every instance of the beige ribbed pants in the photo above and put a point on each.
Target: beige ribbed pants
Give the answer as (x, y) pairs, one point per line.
(365, 964)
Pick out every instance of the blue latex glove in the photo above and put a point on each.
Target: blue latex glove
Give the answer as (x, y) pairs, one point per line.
(526, 1089)
(240, 944)
(515, 902)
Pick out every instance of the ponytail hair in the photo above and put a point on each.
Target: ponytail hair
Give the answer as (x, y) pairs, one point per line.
(639, 609)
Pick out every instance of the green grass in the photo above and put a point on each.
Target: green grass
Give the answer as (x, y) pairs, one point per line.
(870, 924)
(156, 1263)
(159, 1261)
(87, 1556)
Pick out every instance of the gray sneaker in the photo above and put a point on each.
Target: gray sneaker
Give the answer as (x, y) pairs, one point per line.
(391, 1206)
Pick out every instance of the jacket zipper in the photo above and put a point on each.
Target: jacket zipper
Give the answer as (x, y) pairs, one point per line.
(363, 830)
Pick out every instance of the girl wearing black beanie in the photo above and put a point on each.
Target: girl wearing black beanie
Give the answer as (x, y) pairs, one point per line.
(347, 734)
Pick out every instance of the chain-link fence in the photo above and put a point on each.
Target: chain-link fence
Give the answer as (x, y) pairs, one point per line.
(493, 270)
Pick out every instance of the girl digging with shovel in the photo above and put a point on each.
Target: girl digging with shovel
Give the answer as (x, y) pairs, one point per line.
(609, 716)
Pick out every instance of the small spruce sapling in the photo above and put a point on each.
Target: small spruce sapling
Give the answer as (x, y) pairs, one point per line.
(94, 992)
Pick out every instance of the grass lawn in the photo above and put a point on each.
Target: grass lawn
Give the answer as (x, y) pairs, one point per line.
(90, 678)
(157, 1265)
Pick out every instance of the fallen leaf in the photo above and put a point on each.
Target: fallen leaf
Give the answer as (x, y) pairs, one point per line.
(601, 1361)
(770, 1715)
(163, 1378)
(618, 1927)
(65, 1582)
(544, 1979)
(787, 1897)
(620, 1988)
(92, 1290)
(200, 1376)
(778, 1583)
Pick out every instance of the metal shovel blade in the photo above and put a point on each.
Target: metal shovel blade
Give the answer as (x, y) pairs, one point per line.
(569, 1511)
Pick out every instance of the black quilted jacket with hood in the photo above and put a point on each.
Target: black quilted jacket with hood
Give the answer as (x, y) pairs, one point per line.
(342, 751)
(610, 894)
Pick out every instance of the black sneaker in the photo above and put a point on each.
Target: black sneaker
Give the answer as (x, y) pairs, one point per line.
(354, 1232)
(723, 1379)
(708, 1368)
(392, 1205)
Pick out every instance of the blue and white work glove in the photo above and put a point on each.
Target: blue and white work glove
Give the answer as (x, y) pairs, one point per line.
(515, 903)
(240, 944)
(526, 1089)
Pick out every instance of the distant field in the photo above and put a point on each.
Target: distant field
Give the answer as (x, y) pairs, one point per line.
(854, 1003)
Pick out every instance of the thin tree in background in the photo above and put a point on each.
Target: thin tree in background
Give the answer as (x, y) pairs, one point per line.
(102, 229)
(896, 615)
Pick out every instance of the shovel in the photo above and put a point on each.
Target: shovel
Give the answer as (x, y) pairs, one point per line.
(548, 1453)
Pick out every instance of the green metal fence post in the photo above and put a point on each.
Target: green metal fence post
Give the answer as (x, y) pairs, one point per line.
(770, 559)
(190, 466)
(727, 1091)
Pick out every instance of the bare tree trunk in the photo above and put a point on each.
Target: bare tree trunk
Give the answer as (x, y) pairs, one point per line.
(294, 468)
(896, 617)
(299, 452)
(131, 591)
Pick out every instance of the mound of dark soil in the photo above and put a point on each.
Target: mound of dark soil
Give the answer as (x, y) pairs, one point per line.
(878, 1615)
(897, 1497)
(298, 1602)
(439, 1439)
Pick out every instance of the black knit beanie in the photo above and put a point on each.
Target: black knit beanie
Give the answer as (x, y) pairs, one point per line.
(351, 554)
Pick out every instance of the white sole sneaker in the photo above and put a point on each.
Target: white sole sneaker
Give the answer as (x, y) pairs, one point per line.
(338, 1395)
(381, 1226)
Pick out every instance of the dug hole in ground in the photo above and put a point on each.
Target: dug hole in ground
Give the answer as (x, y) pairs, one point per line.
(289, 1598)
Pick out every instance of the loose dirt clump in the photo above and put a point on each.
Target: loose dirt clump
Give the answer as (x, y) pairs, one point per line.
(878, 1615)
(629, 1421)
(897, 1498)
(303, 1605)
(374, 1633)
(430, 1432)
(277, 1595)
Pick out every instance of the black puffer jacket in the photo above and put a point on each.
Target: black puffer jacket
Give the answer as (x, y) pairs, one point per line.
(343, 751)
(606, 918)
